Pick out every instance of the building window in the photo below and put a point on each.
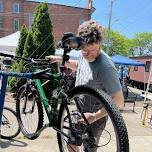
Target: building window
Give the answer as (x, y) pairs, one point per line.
(1, 22)
(16, 8)
(1, 6)
(81, 21)
(135, 68)
(147, 67)
(30, 19)
(16, 25)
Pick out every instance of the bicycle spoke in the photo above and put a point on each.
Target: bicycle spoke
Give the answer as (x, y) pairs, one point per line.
(10, 126)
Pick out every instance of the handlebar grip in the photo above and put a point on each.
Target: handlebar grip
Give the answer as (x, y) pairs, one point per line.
(40, 60)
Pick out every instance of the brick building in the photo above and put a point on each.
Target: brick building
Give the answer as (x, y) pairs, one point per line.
(15, 13)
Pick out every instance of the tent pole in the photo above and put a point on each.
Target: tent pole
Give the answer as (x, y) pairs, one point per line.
(149, 80)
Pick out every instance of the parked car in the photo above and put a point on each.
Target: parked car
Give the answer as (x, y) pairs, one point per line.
(6, 64)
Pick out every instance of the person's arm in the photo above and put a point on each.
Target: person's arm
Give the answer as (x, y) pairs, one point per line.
(109, 77)
(119, 99)
(72, 64)
(110, 80)
(92, 117)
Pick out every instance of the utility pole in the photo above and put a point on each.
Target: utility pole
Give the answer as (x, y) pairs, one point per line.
(109, 26)
(90, 4)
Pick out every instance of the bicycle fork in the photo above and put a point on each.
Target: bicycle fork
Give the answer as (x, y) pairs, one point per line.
(33, 93)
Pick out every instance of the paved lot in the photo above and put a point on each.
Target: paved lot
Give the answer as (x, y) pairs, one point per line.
(140, 137)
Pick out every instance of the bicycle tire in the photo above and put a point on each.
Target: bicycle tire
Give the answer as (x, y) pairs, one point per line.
(122, 141)
(8, 124)
(25, 128)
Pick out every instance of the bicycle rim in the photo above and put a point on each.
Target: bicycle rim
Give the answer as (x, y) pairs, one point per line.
(9, 126)
(109, 135)
(30, 117)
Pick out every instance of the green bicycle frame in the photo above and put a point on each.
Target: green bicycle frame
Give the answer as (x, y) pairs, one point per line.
(44, 99)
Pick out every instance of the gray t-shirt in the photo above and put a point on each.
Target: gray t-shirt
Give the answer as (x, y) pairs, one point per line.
(100, 74)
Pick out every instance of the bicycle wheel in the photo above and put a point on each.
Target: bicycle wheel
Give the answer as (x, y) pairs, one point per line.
(107, 134)
(9, 127)
(29, 111)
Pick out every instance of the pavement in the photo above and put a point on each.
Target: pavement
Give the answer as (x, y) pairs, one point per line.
(140, 137)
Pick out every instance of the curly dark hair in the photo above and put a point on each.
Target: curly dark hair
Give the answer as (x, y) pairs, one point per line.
(91, 31)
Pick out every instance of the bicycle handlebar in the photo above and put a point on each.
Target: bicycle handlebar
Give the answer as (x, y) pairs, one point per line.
(69, 42)
(14, 57)
(26, 59)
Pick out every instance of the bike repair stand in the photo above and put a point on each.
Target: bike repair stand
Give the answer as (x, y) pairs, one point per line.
(2, 96)
(145, 106)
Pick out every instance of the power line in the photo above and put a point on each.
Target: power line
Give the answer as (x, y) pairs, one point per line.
(24, 14)
(59, 14)
(78, 2)
(137, 17)
(141, 10)
(144, 11)
(131, 23)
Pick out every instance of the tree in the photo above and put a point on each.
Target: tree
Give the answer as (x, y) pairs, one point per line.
(20, 47)
(43, 39)
(42, 32)
(13, 82)
(119, 44)
(27, 53)
(142, 44)
(40, 40)
(29, 46)
(21, 42)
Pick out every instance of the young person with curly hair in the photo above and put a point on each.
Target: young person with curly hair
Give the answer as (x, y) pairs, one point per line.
(96, 69)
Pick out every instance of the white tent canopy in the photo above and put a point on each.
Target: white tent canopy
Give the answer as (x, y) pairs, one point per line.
(9, 43)
(10, 40)
(8, 49)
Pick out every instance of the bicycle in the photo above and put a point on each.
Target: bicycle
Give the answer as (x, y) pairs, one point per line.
(4, 77)
(9, 127)
(64, 111)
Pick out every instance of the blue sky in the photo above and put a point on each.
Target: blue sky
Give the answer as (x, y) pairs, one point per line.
(128, 17)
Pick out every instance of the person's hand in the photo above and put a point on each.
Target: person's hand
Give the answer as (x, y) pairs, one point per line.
(91, 117)
(53, 58)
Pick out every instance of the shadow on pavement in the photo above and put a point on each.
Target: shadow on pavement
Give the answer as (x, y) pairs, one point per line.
(128, 111)
(12, 142)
